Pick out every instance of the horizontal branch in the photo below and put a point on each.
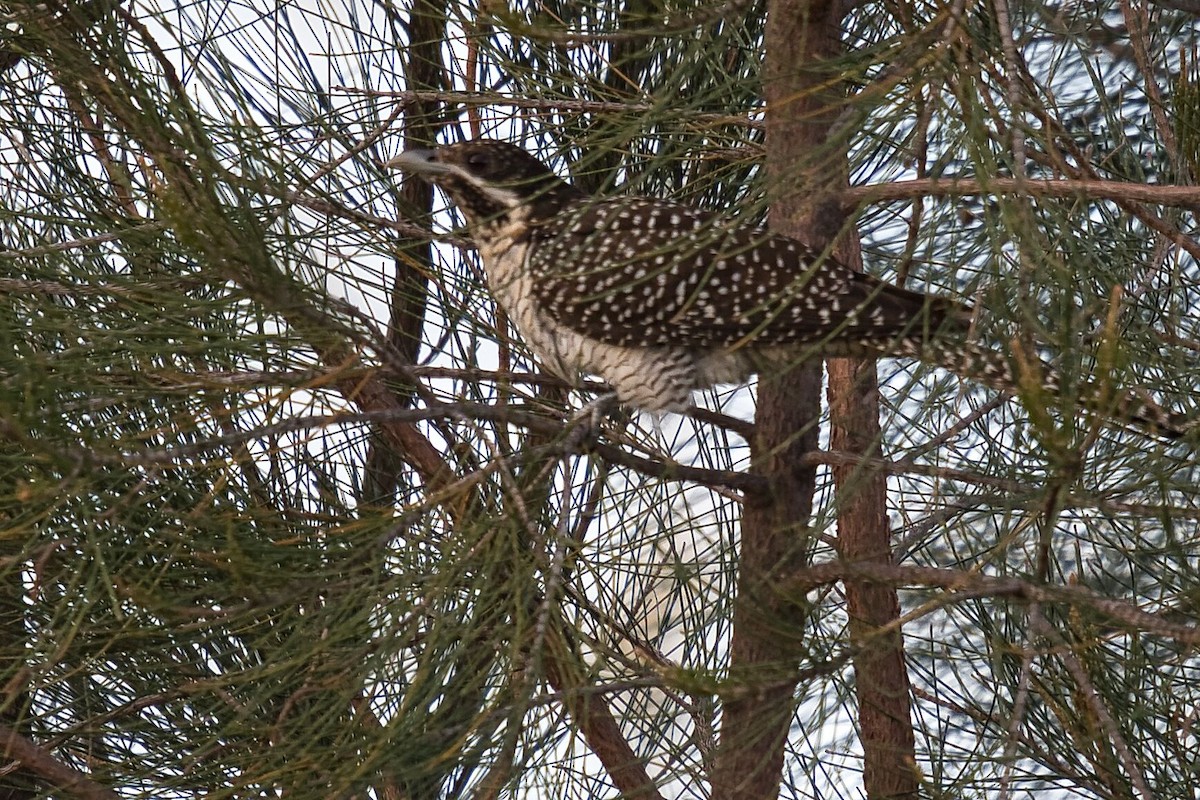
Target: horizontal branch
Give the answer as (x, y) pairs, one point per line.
(842, 458)
(83, 242)
(477, 99)
(40, 762)
(250, 379)
(409, 230)
(1082, 187)
(545, 426)
(1005, 485)
(965, 585)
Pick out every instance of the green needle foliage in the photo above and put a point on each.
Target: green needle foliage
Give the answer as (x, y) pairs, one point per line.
(285, 509)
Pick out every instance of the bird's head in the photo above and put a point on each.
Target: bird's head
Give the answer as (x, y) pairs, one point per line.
(488, 179)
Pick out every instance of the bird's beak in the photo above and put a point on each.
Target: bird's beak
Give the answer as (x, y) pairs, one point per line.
(419, 162)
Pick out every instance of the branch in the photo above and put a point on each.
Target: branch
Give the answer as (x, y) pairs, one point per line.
(74, 244)
(1186, 6)
(62, 776)
(1008, 486)
(596, 721)
(476, 99)
(769, 635)
(1137, 22)
(1167, 195)
(1086, 688)
(968, 585)
(674, 471)
(881, 681)
(323, 205)
(400, 416)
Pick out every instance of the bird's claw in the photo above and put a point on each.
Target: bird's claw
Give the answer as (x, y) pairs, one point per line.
(584, 426)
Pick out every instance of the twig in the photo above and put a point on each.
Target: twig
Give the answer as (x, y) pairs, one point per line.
(1012, 63)
(85, 241)
(476, 99)
(1046, 753)
(1016, 719)
(714, 478)
(1166, 195)
(61, 776)
(1083, 682)
(1138, 24)
(324, 206)
(970, 585)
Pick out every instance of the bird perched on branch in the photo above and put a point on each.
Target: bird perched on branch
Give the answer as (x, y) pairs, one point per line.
(661, 299)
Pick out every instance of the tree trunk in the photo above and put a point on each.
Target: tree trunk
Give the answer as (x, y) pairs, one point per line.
(766, 646)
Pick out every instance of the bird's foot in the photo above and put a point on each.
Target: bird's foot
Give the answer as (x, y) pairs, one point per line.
(584, 425)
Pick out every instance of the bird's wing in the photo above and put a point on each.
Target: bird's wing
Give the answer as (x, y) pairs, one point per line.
(640, 272)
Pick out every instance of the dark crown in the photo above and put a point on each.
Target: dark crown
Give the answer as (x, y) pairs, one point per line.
(488, 178)
(500, 164)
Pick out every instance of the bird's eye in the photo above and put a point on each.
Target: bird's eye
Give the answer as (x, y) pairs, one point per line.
(478, 161)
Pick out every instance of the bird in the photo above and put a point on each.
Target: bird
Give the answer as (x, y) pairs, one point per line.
(661, 299)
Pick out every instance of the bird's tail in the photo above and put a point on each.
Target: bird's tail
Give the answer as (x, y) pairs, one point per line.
(1028, 376)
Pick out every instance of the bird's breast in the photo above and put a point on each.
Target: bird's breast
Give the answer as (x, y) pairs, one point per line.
(561, 350)
(653, 378)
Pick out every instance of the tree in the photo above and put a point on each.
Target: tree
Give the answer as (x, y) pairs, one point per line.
(287, 509)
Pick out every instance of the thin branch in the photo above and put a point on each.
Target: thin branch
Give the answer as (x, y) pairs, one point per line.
(969, 585)
(83, 242)
(1087, 689)
(1137, 21)
(1166, 195)
(1012, 86)
(409, 229)
(556, 105)
(61, 776)
(1016, 719)
(1007, 486)
(1047, 753)
(1086, 172)
(1186, 6)
(666, 470)
(842, 458)
(716, 479)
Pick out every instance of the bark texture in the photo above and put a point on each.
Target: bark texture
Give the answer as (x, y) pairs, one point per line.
(809, 168)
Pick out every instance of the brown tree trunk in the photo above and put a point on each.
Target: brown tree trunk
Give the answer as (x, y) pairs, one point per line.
(424, 69)
(881, 680)
(803, 105)
(766, 644)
